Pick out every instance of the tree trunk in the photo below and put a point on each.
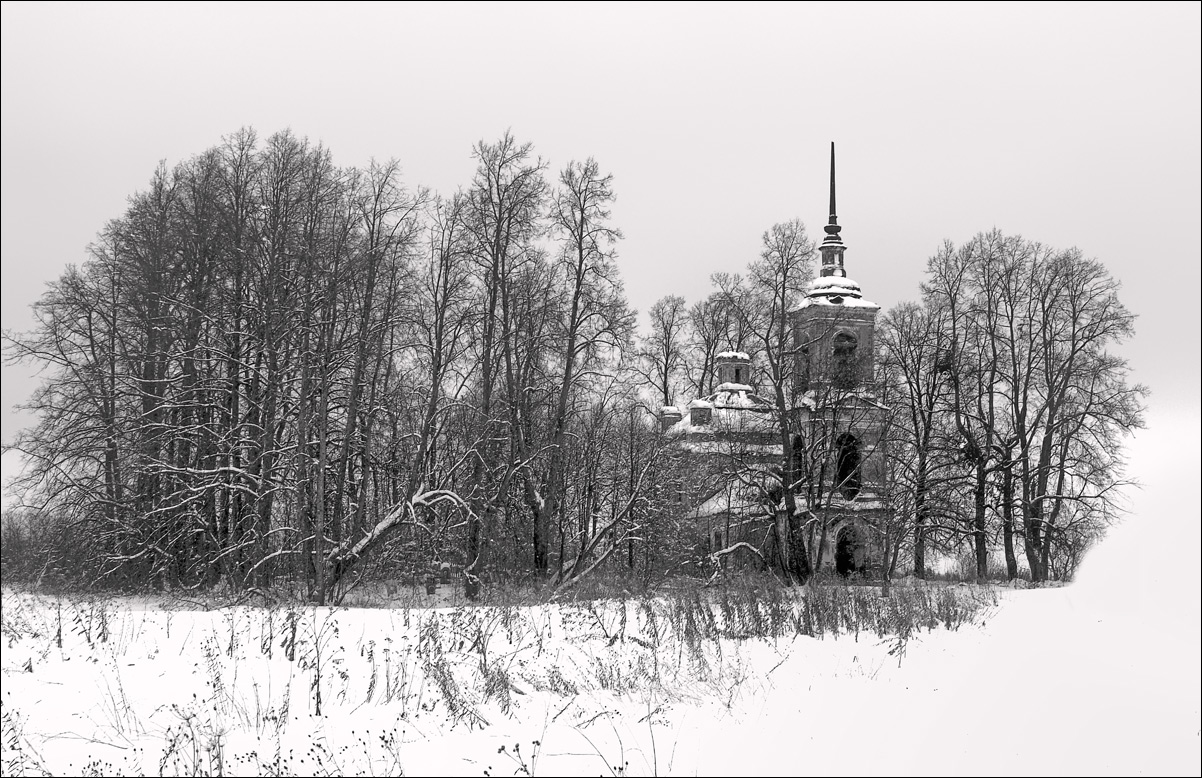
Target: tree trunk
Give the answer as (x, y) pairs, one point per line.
(1008, 521)
(980, 548)
(920, 517)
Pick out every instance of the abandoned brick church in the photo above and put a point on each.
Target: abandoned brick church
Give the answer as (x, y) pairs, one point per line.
(731, 440)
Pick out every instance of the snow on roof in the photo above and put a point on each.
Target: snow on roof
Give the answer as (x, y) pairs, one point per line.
(719, 503)
(735, 409)
(728, 422)
(842, 302)
(738, 397)
(725, 502)
(744, 495)
(734, 355)
(834, 285)
(813, 402)
(835, 290)
(861, 396)
(731, 386)
(861, 505)
(729, 447)
(669, 410)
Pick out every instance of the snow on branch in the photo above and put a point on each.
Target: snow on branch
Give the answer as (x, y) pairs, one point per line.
(404, 513)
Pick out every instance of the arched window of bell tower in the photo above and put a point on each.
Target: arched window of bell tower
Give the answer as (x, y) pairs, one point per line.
(843, 348)
(847, 465)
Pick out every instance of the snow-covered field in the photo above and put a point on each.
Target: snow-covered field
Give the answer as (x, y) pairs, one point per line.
(1101, 677)
(634, 688)
(637, 687)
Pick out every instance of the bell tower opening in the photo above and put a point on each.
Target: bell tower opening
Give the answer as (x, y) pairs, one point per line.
(844, 373)
(847, 466)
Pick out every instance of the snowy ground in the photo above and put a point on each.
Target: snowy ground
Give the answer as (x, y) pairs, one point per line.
(1101, 677)
(1047, 684)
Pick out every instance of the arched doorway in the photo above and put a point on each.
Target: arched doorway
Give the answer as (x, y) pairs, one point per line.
(846, 543)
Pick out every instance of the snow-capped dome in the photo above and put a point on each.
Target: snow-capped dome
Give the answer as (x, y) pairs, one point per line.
(834, 286)
(737, 397)
(733, 409)
(742, 355)
(835, 290)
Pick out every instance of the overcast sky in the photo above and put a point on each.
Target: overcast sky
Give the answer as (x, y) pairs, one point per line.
(1073, 124)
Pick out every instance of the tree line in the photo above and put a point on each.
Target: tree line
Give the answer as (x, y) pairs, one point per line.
(1015, 404)
(273, 369)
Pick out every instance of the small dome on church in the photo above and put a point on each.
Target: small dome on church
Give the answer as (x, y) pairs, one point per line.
(738, 397)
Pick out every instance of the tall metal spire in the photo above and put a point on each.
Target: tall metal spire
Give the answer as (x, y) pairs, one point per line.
(832, 245)
(833, 218)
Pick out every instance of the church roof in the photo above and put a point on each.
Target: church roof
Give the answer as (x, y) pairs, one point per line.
(735, 409)
(738, 396)
(835, 291)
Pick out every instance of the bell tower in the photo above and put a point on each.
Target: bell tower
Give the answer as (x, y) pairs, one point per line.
(834, 327)
(839, 419)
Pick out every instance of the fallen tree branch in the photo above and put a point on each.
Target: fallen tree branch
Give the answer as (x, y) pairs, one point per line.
(717, 556)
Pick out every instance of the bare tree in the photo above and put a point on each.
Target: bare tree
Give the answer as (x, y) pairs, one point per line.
(776, 285)
(1028, 327)
(662, 352)
(708, 335)
(505, 203)
(597, 320)
(916, 348)
(437, 318)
